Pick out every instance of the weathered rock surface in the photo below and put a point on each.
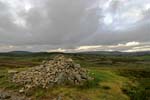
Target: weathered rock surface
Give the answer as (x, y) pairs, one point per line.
(9, 95)
(12, 71)
(59, 71)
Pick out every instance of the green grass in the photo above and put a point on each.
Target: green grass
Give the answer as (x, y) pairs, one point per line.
(5, 79)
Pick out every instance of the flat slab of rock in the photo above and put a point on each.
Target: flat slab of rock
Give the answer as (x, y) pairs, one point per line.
(12, 71)
(9, 95)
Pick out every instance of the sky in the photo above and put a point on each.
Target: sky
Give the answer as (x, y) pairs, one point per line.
(74, 25)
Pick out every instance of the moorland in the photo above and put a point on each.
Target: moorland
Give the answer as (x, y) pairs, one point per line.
(117, 76)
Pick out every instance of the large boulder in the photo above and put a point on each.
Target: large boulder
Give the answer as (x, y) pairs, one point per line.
(58, 71)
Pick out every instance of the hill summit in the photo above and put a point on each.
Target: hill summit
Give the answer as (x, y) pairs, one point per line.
(58, 71)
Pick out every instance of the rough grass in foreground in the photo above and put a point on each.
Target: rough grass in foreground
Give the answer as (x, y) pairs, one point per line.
(106, 85)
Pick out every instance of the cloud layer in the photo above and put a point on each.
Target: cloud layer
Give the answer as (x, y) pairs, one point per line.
(45, 25)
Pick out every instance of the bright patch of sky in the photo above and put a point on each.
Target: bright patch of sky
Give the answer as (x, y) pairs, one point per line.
(123, 14)
(16, 8)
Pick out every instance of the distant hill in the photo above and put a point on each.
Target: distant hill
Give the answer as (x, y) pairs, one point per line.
(105, 53)
(27, 53)
(20, 52)
(101, 52)
(15, 53)
(116, 53)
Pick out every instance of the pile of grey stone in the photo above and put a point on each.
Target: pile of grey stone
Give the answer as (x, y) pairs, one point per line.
(58, 71)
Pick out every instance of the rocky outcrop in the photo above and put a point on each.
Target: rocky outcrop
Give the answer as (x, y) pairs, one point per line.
(10, 95)
(59, 71)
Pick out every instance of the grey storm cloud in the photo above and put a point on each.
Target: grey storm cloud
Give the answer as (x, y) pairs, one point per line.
(39, 25)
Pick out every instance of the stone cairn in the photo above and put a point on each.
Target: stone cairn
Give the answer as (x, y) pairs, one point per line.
(59, 71)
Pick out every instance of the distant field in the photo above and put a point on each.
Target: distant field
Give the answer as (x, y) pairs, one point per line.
(116, 77)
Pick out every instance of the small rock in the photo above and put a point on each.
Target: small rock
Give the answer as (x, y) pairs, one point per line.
(59, 98)
(21, 90)
(4, 96)
(77, 65)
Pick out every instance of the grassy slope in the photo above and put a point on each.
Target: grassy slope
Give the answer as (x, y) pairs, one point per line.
(116, 78)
